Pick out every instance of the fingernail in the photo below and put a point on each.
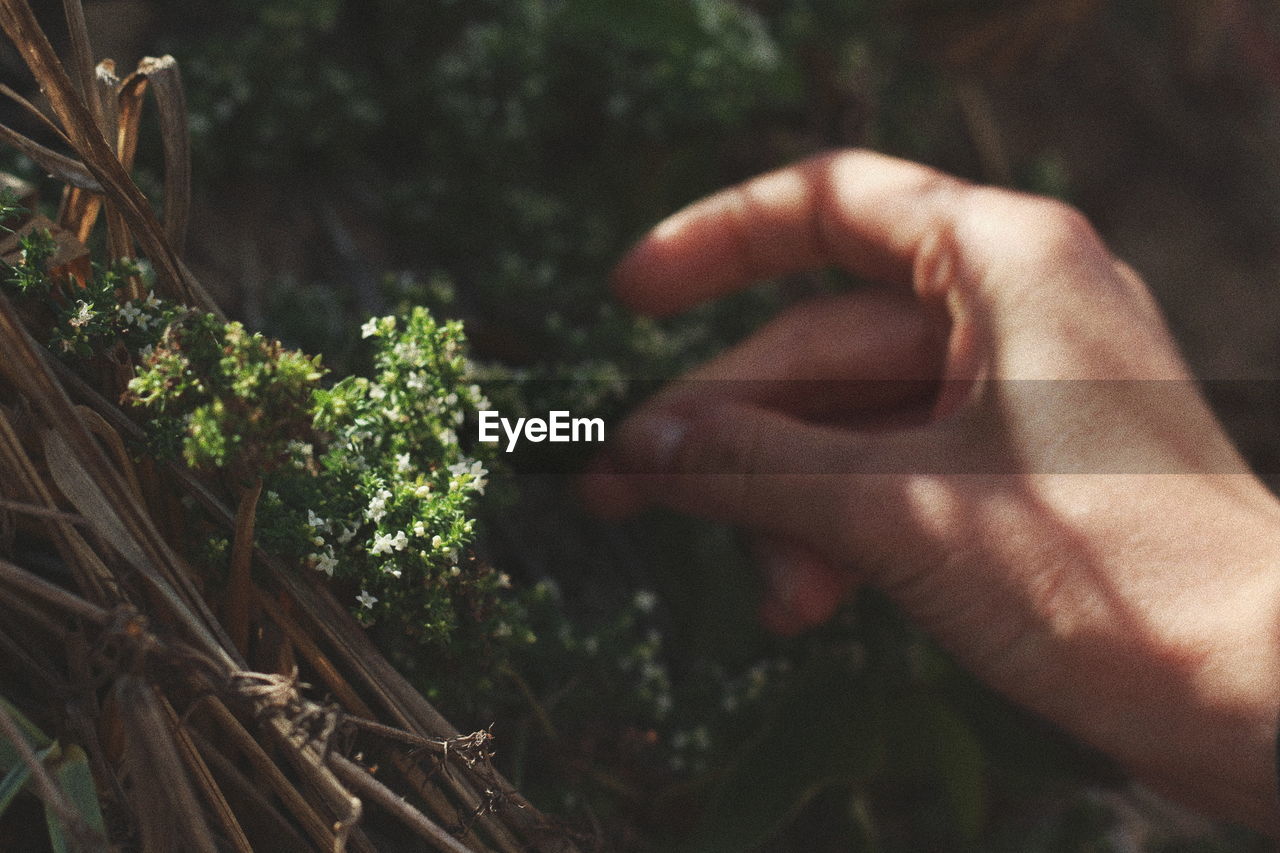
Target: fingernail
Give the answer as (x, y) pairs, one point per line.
(652, 441)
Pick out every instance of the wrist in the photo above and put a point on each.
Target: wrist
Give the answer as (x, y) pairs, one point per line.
(1210, 738)
(1197, 689)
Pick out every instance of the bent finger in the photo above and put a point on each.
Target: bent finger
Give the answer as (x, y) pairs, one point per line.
(833, 360)
(831, 489)
(865, 212)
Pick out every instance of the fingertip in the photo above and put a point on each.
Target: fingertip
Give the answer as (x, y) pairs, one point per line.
(778, 620)
(637, 279)
(803, 589)
(687, 258)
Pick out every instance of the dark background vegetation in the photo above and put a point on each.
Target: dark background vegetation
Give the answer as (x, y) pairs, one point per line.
(492, 158)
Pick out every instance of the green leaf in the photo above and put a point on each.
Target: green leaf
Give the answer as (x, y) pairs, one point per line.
(865, 833)
(828, 730)
(961, 767)
(12, 783)
(16, 771)
(70, 768)
(38, 739)
(932, 743)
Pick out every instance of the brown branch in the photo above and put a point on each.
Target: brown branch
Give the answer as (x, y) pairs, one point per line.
(363, 783)
(53, 594)
(239, 606)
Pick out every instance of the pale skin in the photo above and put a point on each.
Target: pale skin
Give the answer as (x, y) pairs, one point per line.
(1100, 555)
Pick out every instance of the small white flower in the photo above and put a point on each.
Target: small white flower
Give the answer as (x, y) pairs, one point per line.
(471, 472)
(403, 463)
(504, 580)
(436, 541)
(318, 541)
(419, 529)
(366, 600)
(422, 491)
(378, 505)
(130, 312)
(377, 392)
(84, 313)
(370, 328)
(385, 543)
(325, 561)
(315, 522)
(417, 381)
(645, 601)
(448, 437)
(145, 352)
(151, 301)
(346, 535)
(408, 351)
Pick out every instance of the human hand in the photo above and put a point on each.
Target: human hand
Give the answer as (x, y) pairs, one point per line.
(1001, 436)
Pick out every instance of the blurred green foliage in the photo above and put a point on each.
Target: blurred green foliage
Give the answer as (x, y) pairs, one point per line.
(510, 150)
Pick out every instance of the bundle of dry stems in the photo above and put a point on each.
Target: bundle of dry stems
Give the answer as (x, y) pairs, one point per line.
(111, 641)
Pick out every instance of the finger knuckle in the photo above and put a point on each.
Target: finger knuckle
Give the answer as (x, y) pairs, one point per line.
(1052, 229)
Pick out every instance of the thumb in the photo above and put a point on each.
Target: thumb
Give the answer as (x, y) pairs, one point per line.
(727, 460)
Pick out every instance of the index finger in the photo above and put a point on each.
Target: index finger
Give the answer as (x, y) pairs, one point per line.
(868, 213)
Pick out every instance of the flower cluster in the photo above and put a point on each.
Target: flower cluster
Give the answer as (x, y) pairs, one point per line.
(386, 503)
(88, 318)
(35, 248)
(95, 321)
(238, 400)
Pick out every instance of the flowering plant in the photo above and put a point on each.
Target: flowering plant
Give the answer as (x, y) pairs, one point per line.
(365, 481)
